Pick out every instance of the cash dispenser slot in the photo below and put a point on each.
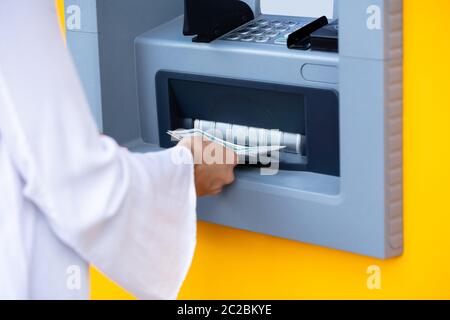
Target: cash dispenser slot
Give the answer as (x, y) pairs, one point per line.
(310, 114)
(250, 136)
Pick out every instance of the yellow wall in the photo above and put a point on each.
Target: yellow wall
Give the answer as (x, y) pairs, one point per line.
(235, 264)
(60, 10)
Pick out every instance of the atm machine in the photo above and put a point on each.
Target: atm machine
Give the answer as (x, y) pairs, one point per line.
(331, 87)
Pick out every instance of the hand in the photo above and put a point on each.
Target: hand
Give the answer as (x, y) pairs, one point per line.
(214, 165)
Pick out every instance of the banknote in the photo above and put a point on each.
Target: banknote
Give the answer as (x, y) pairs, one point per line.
(238, 149)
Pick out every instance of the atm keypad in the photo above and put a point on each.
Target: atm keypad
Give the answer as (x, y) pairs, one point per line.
(267, 29)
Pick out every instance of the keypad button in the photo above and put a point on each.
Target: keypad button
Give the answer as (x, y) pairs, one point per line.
(233, 36)
(267, 28)
(282, 28)
(272, 33)
(252, 26)
(277, 23)
(262, 22)
(261, 39)
(244, 31)
(257, 32)
(292, 24)
(247, 38)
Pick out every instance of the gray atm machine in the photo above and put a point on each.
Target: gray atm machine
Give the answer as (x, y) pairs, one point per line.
(333, 87)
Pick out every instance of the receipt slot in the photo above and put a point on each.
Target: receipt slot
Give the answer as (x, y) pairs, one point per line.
(331, 86)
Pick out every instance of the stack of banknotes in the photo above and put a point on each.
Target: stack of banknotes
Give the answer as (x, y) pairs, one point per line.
(240, 150)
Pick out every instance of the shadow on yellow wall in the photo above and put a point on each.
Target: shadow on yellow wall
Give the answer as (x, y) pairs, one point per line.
(233, 264)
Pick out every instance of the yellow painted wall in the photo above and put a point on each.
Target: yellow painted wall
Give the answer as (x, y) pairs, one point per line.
(60, 9)
(233, 264)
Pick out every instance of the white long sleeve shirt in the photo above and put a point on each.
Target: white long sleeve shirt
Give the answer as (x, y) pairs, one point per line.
(69, 196)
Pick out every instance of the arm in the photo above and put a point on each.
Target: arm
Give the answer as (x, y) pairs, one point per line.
(133, 216)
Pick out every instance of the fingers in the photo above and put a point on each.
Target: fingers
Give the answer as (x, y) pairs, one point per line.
(207, 152)
(229, 177)
(216, 192)
(214, 166)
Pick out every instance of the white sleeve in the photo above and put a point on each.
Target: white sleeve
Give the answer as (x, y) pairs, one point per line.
(131, 215)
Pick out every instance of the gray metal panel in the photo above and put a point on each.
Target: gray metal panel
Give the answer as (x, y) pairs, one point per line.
(320, 73)
(103, 50)
(84, 49)
(369, 28)
(119, 23)
(336, 9)
(88, 17)
(83, 45)
(371, 75)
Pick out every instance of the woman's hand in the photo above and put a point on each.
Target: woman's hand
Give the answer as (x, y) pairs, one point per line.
(214, 165)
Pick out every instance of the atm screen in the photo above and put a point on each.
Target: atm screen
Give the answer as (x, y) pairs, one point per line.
(303, 8)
